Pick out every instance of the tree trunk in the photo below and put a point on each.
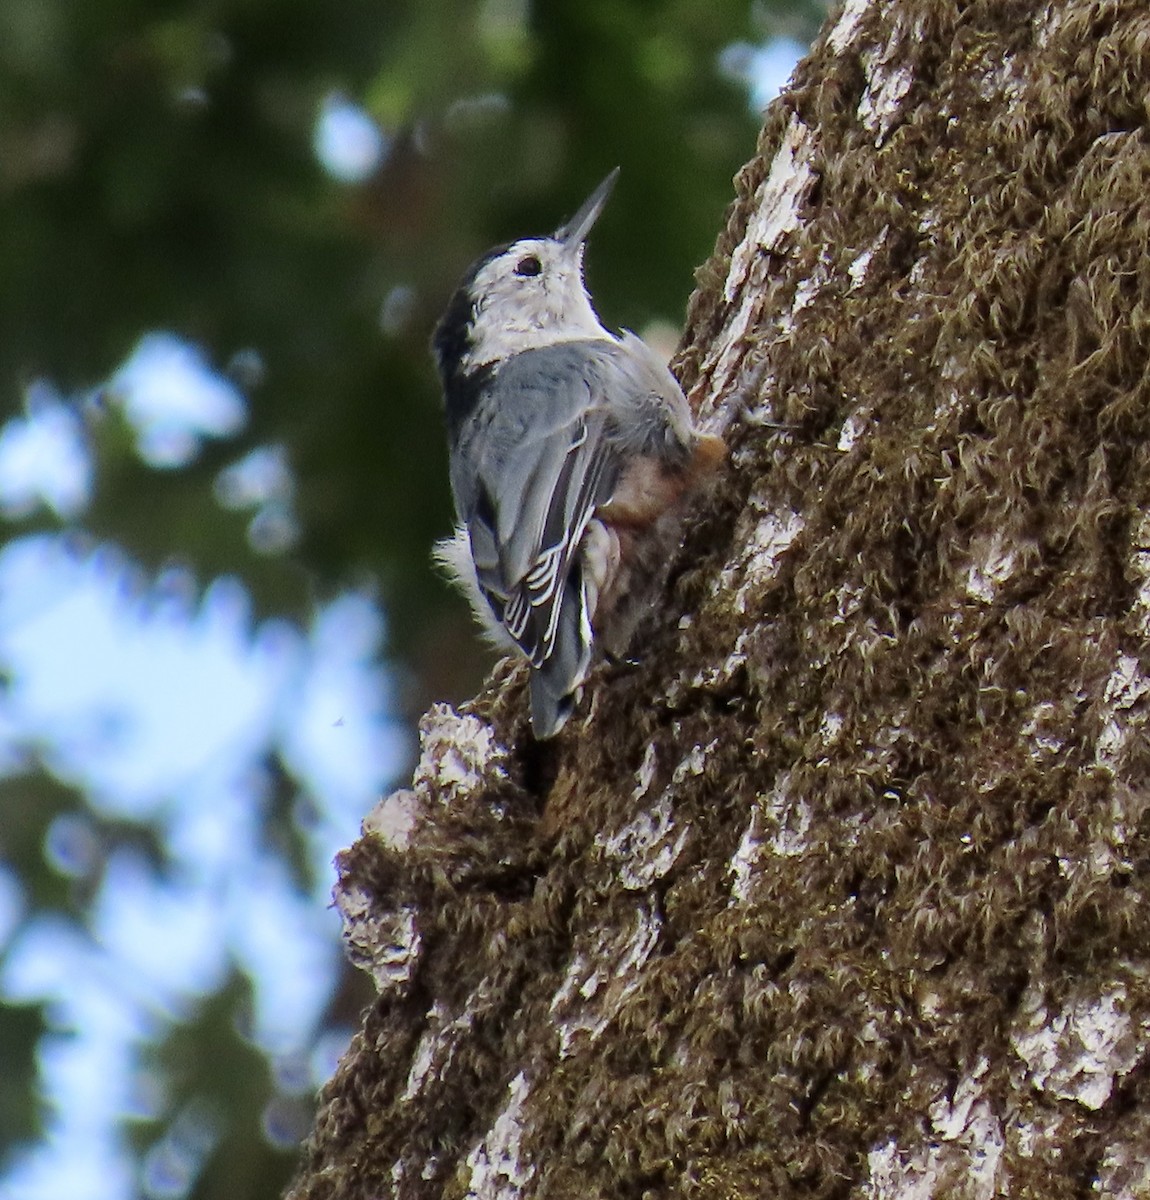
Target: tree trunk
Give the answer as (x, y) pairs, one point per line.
(844, 890)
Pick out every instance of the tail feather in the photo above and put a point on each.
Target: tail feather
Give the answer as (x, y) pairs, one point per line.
(556, 682)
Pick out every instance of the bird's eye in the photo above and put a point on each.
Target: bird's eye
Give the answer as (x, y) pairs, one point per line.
(528, 266)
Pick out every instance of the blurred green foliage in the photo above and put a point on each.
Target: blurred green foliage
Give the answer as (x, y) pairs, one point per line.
(157, 171)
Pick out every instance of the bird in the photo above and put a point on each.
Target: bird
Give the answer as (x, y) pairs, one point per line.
(571, 450)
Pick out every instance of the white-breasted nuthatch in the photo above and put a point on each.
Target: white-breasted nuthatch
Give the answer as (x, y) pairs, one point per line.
(569, 447)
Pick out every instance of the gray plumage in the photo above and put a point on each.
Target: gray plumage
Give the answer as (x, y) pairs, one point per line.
(543, 449)
(565, 441)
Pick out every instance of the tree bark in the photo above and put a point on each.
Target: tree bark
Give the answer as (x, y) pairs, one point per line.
(843, 890)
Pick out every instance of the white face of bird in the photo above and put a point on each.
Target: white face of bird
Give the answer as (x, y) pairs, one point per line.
(532, 294)
(529, 296)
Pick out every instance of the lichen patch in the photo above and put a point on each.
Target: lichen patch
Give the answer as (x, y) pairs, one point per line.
(851, 431)
(777, 214)
(647, 847)
(388, 946)
(599, 981)
(458, 754)
(843, 32)
(768, 537)
(778, 204)
(393, 819)
(1122, 696)
(993, 564)
(966, 1162)
(1076, 1052)
(889, 77)
(859, 266)
(497, 1169)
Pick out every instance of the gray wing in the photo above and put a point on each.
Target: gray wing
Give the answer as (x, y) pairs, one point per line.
(533, 462)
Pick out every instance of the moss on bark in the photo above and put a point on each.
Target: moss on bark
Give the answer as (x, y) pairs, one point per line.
(843, 890)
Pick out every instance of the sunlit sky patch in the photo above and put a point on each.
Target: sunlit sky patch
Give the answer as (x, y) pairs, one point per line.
(262, 481)
(115, 684)
(44, 458)
(175, 400)
(348, 143)
(763, 69)
(261, 475)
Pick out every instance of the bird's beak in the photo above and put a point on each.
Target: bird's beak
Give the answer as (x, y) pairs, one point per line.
(574, 233)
